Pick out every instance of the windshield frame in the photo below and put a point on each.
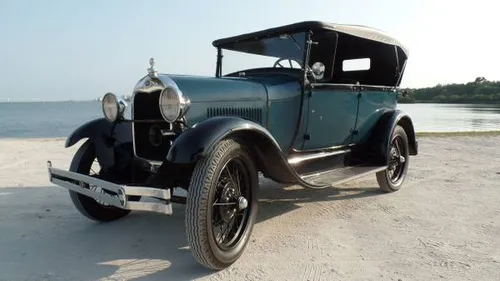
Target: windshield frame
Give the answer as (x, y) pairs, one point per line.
(264, 46)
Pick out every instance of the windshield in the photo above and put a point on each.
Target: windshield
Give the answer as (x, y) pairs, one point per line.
(265, 52)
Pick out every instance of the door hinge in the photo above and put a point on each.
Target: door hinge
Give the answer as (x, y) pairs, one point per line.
(307, 137)
(354, 132)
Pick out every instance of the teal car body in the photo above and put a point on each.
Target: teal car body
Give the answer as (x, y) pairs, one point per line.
(302, 110)
(325, 112)
(333, 118)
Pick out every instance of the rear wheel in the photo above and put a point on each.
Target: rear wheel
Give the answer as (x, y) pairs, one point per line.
(221, 205)
(392, 178)
(84, 162)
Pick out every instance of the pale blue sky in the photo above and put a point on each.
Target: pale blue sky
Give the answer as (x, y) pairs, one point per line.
(61, 50)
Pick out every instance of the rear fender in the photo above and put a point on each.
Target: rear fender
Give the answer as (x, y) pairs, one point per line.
(380, 138)
(107, 138)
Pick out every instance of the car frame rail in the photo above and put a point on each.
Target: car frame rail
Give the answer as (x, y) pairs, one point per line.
(77, 182)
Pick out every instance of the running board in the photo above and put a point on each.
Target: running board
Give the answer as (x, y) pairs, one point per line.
(339, 176)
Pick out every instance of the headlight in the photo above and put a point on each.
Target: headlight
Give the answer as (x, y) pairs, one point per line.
(112, 107)
(172, 104)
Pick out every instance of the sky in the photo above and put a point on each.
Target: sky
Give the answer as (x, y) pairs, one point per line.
(79, 50)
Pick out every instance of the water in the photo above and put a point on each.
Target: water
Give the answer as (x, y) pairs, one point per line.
(45, 119)
(58, 119)
(453, 117)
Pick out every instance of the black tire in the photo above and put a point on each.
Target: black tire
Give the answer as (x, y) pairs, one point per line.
(82, 163)
(392, 178)
(210, 187)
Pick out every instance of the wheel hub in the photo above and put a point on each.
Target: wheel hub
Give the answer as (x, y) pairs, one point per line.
(402, 159)
(242, 203)
(227, 196)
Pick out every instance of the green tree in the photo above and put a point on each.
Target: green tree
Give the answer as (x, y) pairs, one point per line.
(478, 91)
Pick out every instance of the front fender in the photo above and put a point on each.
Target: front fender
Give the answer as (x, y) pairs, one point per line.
(381, 134)
(196, 142)
(104, 137)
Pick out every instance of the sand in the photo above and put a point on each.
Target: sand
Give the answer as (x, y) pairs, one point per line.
(443, 225)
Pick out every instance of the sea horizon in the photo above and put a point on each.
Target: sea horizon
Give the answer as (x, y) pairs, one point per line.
(55, 119)
(43, 101)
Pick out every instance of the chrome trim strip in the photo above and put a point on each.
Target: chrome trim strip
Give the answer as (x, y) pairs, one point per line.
(122, 191)
(133, 125)
(335, 84)
(355, 85)
(300, 158)
(312, 150)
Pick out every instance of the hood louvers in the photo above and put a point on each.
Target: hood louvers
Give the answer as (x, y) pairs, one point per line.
(254, 114)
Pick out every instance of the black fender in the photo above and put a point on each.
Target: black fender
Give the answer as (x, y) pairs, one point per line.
(197, 142)
(106, 137)
(380, 137)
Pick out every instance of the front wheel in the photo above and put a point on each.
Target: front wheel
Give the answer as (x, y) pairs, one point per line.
(392, 178)
(221, 206)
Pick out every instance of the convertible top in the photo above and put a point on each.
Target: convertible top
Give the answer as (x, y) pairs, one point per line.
(353, 30)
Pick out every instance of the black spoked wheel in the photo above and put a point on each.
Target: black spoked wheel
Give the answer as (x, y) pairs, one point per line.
(392, 178)
(230, 207)
(222, 205)
(84, 162)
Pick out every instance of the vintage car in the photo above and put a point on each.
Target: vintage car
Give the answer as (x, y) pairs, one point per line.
(322, 114)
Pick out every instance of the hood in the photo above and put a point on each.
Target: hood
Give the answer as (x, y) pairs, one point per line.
(211, 96)
(212, 89)
(201, 89)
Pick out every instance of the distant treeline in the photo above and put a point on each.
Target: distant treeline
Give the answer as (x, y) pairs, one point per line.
(477, 91)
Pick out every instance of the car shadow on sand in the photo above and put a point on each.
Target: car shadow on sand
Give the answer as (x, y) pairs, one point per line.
(45, 237)
(279, 200)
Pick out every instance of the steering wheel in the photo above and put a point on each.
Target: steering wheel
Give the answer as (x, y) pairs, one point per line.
(278, 63)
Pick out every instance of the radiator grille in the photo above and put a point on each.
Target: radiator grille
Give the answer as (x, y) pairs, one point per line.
(146, 109)
(254, 114)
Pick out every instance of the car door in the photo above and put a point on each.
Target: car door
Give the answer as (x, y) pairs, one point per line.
(331, 116)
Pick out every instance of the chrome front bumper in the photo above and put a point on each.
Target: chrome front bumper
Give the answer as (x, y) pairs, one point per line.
(77, 182)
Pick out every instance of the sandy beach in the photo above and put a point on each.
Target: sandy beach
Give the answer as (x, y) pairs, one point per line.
(443, 225)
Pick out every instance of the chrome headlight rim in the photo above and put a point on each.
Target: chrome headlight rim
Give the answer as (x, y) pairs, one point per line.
(119, 105)
(182, 104)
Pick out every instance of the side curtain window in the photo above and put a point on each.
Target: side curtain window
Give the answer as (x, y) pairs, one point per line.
(366, 62)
